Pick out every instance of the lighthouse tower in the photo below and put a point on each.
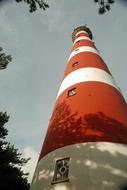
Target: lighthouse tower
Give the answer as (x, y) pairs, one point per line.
(85, 147)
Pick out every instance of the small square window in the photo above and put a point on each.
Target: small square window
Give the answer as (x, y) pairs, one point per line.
(61, 171)
(75, 64)
(78, 41)
(76, 49)
(72, 92)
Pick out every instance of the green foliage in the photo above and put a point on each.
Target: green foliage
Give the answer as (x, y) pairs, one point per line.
(4, 59)
(104, 5)
(11, 162)
(35, 4)
(3, 119)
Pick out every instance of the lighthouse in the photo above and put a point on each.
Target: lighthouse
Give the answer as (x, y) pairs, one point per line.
(85, 147)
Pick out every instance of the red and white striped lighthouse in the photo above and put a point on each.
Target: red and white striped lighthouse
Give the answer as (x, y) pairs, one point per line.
(85, 147)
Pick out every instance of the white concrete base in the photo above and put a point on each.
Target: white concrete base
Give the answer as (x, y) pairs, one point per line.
(93, 166)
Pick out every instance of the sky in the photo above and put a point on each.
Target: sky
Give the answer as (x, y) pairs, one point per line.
(40, 45)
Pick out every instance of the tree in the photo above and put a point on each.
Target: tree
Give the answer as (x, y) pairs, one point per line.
(104, 5)
(4, 59)
(34, 4)
(11, 162)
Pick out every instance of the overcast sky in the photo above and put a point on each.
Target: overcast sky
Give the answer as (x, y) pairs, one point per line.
(40, 44)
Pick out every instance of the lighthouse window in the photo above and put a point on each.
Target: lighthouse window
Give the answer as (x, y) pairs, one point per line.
(76, 49)
(72, 92)
(75, 64)
(78, 41)
(61, 171)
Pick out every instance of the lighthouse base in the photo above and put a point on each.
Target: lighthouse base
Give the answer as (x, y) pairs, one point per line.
(92, 166)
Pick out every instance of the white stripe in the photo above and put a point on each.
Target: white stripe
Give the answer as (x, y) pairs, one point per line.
(82, 31)
(82, 38)
(103, 162)
(83, 49)
(86, 75)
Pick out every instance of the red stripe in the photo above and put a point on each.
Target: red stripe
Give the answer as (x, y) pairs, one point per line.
(83, 42)
(82, 34)
(96, 113)
(85, 60)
